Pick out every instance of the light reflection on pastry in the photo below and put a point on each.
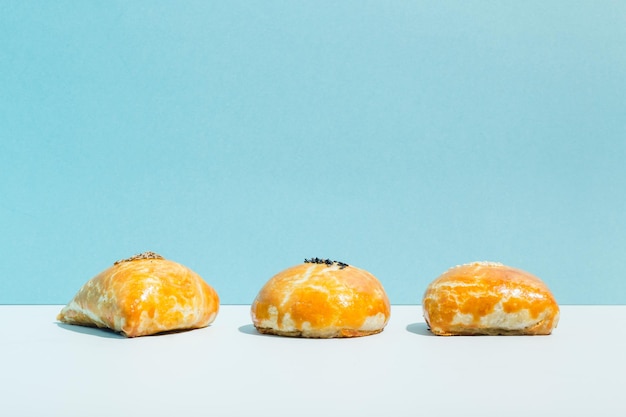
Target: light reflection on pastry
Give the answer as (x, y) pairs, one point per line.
(489, 298)
(321, 299)
(143, 295)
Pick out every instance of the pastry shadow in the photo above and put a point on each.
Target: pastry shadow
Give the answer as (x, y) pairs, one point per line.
(420, 329)
(250, 330)
(92, 331)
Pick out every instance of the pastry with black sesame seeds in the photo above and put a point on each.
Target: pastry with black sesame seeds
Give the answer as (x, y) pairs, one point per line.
(321, 298)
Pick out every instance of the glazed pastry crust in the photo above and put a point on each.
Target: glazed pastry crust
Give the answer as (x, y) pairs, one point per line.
(143, 296)
(321, 301)
(487, 298)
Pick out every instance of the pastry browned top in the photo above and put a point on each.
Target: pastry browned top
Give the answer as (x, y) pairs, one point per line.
(321, 299)
(489, 295)
(142, 295)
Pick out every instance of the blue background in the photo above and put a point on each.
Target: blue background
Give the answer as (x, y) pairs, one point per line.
(239, 138)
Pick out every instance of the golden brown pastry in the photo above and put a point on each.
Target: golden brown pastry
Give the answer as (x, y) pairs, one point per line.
(143, 295)
(488, 298)
(321, 299)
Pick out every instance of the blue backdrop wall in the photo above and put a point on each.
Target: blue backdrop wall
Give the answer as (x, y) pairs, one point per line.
(240, 137)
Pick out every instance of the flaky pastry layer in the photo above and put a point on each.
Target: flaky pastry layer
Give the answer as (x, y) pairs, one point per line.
(488, 298)
(321, 301)
(143, 296)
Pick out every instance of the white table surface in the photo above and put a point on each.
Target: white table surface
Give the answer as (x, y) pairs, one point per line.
(227, 369)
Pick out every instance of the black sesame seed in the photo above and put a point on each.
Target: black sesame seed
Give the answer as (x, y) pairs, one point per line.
(327, 262)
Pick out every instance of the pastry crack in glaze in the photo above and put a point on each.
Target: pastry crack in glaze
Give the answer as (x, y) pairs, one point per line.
(293, 284)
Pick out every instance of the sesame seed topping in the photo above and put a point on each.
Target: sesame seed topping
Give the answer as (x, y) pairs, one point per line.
(144, 255)
(326, 262)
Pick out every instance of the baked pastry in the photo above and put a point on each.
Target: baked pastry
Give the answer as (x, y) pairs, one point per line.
(143, 295)
(321, 299)
(489, 298)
